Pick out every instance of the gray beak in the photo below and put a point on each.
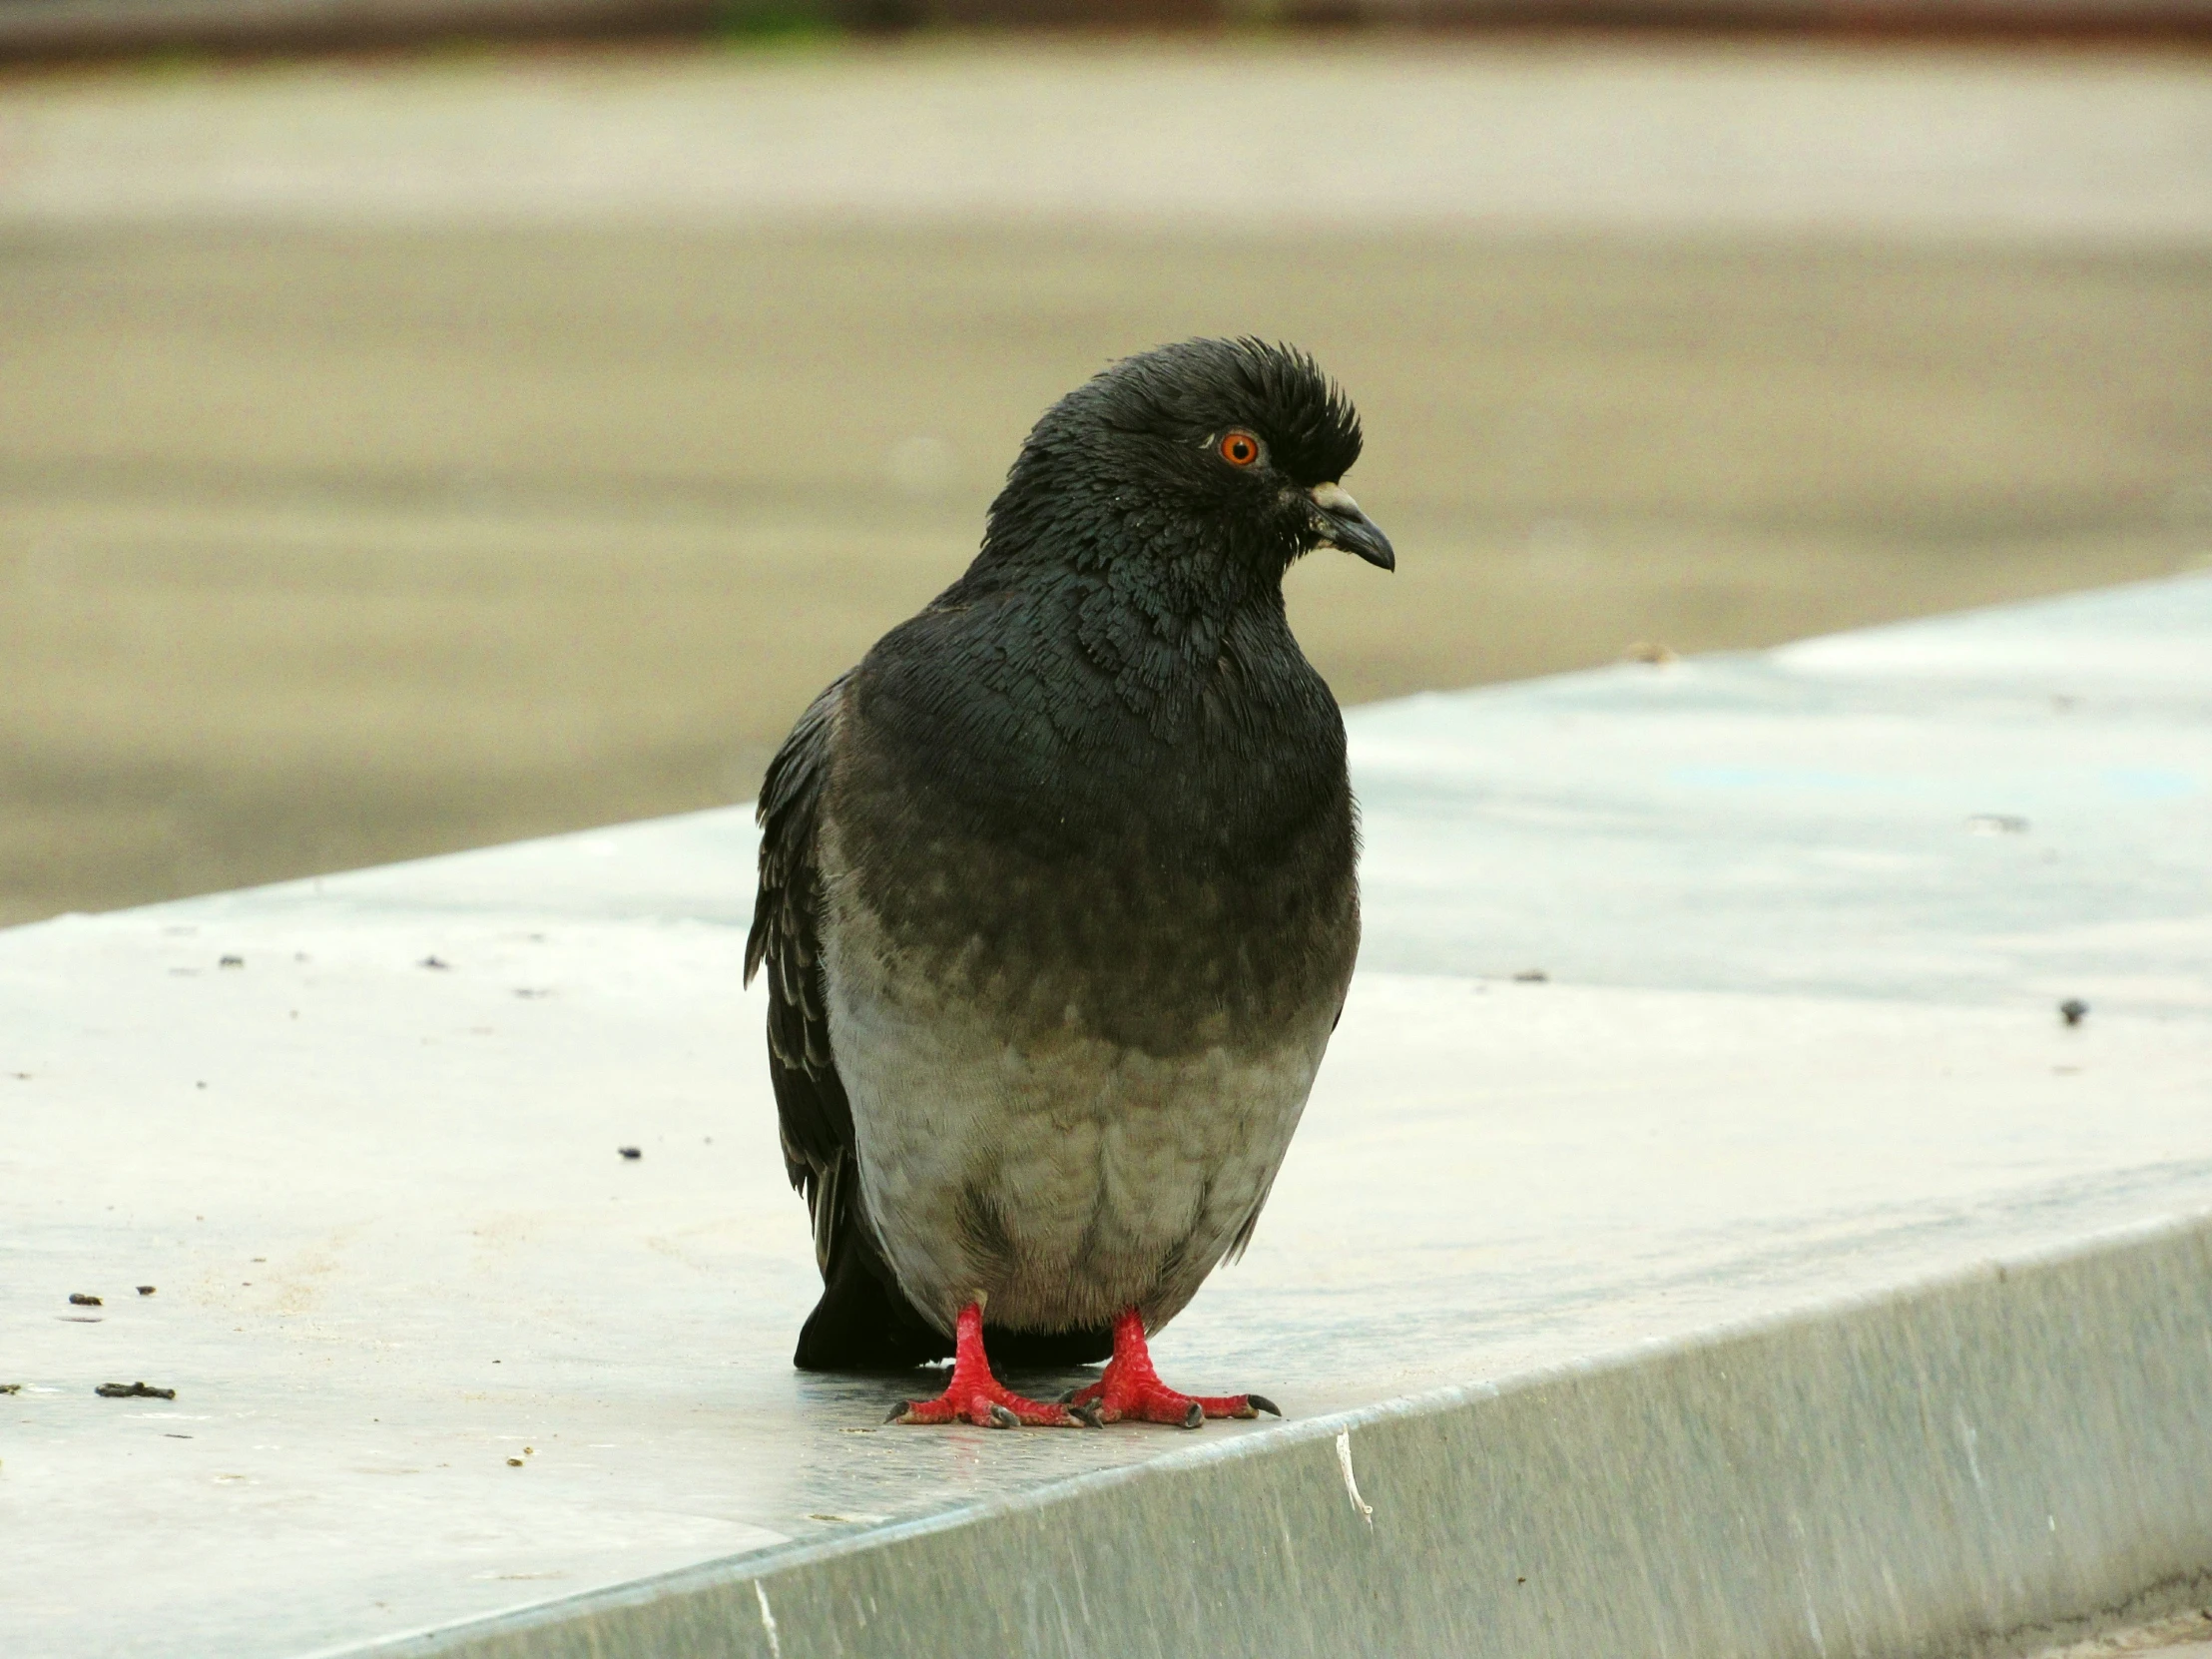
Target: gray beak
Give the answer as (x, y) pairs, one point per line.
(1349, 530)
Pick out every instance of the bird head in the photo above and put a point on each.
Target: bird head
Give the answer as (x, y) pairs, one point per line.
(1228, 453)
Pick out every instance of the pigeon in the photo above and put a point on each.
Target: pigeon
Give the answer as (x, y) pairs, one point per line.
(1058, 900)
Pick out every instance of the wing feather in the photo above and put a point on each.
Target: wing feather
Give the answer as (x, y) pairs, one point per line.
(814, 1117)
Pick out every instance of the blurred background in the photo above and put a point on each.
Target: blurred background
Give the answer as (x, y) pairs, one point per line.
(426, 423)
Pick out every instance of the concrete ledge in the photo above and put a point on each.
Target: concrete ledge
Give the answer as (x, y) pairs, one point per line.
(1978, 1466)
(1654, 1296)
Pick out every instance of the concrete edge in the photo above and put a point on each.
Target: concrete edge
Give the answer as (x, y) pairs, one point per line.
(1982, 1464)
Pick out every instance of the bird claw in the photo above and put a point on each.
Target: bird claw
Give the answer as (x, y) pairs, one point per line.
(973, 1394)
(1156, 1403)
(1130, 1390)
(1008, 1410)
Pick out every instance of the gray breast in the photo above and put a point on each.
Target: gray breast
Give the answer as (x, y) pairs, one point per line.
(1058, 1173)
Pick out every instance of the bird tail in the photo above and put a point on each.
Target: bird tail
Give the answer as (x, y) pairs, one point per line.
(864, 1322)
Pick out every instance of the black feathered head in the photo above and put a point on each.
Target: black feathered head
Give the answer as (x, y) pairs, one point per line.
(1201, 388)
(1206, 450)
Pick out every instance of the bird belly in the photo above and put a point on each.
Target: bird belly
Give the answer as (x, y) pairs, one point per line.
(1057, 1177)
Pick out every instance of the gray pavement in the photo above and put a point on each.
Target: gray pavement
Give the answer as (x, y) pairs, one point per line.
(1779, 1263)
(1561, 135)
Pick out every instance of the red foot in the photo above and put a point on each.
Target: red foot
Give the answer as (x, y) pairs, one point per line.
(1132, 1390)
(976, 1395)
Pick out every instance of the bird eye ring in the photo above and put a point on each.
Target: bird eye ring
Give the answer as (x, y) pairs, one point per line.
(1240, 448)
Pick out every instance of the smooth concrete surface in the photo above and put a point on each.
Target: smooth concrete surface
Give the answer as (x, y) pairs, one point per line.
(1910, 1477)
(1781, 1274)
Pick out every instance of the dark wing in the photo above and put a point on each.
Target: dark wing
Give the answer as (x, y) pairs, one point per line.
(811, 1104)
(864, 1320)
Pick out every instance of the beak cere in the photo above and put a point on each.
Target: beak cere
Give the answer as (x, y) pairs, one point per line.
(1349, 530)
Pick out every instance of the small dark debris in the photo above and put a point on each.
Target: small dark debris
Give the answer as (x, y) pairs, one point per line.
(231, 961)
(11, 1388)
(514, 1462)
(632, 1153)
(435, 963)
(168, 1436)
(200, 1085)
(132, 1391)
(146, 1289)
(1531, 977)
(79, 1318)
(78, 1298)
(1521, 1580)
(2074, 1010)
(20, 1077)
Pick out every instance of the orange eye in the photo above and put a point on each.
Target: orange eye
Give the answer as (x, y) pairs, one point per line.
(1240, 448)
